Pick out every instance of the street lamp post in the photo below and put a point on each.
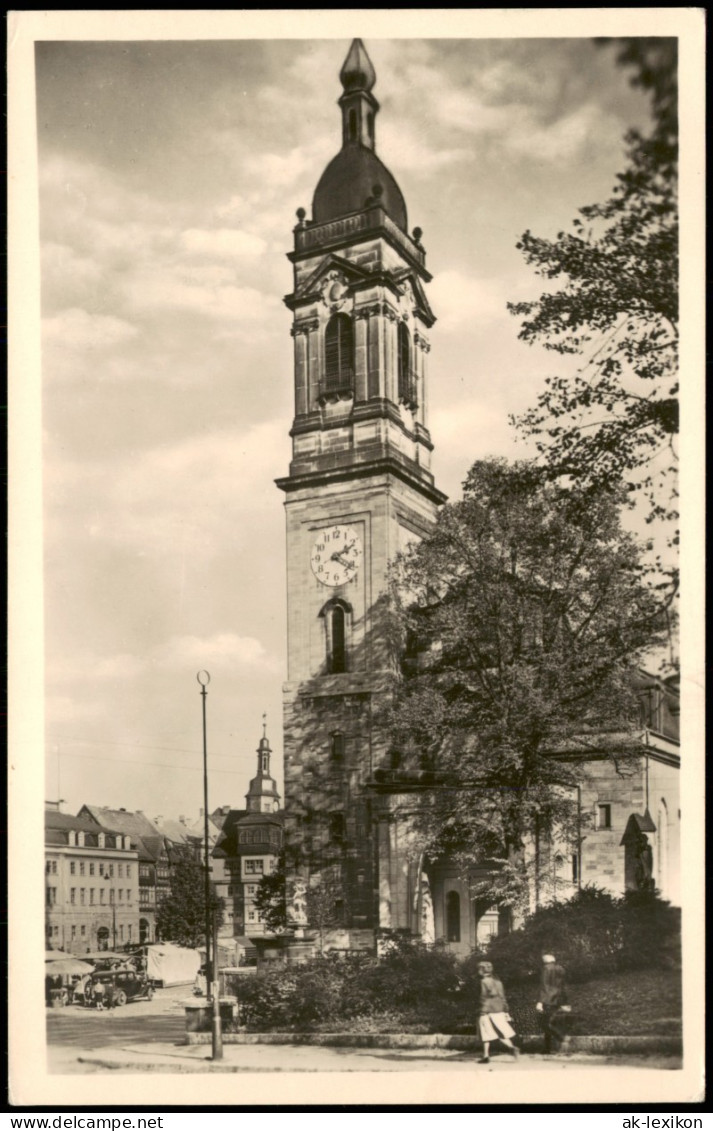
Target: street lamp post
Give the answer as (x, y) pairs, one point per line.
(211, 975)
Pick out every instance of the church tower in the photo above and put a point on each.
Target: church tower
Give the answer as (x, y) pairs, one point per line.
(359, 489)
(262, 795)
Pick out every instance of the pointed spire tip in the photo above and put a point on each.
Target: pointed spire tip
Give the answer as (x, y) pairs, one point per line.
(357, 72)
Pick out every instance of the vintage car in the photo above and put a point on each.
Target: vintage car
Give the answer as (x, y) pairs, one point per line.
(125, 984)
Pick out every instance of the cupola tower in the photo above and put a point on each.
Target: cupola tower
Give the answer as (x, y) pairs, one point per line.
(359, 489)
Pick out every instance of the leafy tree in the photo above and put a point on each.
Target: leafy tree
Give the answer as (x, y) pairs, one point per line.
(270, 898)
(181, 915)
(522, 616)
(616, 418)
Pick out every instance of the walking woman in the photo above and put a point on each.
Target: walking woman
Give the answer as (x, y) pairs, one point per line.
(494, 1019)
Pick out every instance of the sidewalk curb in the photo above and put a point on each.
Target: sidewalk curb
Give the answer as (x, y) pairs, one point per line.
(190, 1057)
(666, 1044)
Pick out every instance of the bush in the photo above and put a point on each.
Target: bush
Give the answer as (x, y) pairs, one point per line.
(410, 985)
(425, 989)
(651, 931)
(592, 934)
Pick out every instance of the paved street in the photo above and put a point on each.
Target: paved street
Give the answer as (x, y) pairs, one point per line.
(148, 1036)
(75, 1029)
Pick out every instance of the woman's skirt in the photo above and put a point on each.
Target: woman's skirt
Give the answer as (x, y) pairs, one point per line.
(494, 1025)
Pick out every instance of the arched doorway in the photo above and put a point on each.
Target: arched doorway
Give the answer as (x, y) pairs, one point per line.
(144, 931)
(452, 917)
(103, 938)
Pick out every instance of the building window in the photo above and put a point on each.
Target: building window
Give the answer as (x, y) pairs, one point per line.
(337, 747)
(111, 896)
(101, 895)
(55, 931)
(74, 930)
(81, 868)
(121, 895)
(110, 870)
(253, 867)
(91, 869)
(73, 895)
(604, 816)
(352, 125)
(91, 895)
(83, 931)
(337, 625)
(406, 376)
(251, 889)
(120, 869)
(336, 827)
(72, 868)
(81, 895)
(339, 355)
(453, 916)
(128, 871)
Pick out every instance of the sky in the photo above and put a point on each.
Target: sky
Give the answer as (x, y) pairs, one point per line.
(169, 176)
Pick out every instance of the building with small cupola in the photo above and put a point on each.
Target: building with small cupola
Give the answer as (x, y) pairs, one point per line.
(248, 848)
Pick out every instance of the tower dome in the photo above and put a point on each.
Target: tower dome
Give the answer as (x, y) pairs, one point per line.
(356, 177)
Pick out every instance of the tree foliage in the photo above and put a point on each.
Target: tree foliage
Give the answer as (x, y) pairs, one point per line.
(616, 305)
(271, 898)
(181, 915)
(522, 616)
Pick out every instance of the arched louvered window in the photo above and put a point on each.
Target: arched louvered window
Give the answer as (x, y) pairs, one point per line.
(338, 652)
(337, 616)
(339, 355)
(406, 377)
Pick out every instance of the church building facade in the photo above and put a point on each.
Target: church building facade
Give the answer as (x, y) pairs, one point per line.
(359, 490)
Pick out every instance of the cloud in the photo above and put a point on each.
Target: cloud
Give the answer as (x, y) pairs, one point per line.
(568, 138)
(179, 495)
(203, 291)
(466, 300)
(221, 650)
(79, 330)
(222, 242)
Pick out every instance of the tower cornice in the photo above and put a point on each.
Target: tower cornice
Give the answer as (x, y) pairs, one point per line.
(368, 222)
(389, 465)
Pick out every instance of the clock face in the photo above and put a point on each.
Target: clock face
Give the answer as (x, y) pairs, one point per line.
(336, 555)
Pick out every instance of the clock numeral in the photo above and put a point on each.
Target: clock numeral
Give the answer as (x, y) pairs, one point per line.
(317, 558)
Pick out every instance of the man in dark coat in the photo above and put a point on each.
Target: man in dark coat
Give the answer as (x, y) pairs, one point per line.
(553, 996)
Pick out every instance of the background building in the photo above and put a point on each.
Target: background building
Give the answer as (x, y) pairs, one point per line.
(248, 848)
(91, 885)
